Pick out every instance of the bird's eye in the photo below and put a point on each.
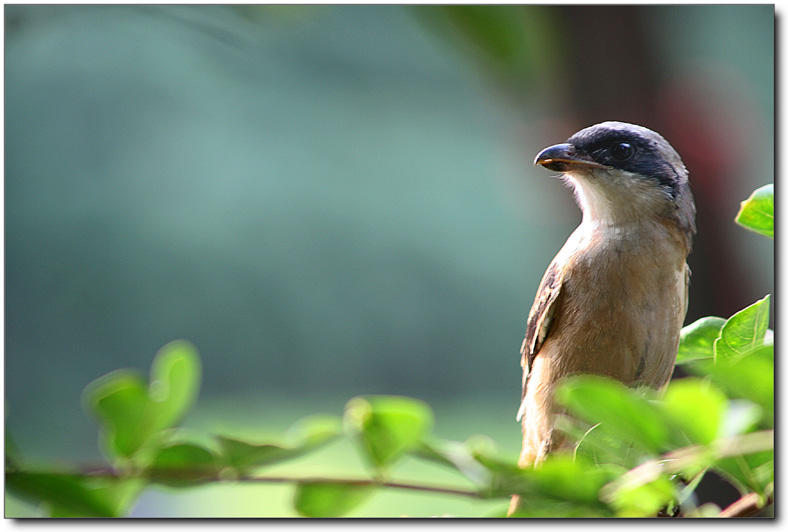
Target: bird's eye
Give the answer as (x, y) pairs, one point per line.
(621, 151)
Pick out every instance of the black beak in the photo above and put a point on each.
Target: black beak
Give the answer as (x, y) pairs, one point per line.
(562, 157)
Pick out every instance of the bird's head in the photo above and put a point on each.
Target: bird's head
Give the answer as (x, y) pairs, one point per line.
(624, 173)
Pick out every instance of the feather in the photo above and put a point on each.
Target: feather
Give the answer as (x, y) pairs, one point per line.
(539, 320)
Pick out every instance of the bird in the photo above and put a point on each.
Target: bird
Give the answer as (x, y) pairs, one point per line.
(613, 300)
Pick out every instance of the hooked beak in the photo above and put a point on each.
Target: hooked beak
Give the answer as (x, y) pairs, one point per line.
(563, 158)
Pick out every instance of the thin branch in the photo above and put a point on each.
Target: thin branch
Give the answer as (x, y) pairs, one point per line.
(363, 482)
(197, 476)
(747, 506)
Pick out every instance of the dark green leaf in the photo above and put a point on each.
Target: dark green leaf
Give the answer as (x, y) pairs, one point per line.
(697, 339)
(119, 493)
(65, 491)
(744, 331)
(697, 407)
(328, 499)
(757, 212)
(309, 434)
(387, 426)
(182, 464)
(624, 412)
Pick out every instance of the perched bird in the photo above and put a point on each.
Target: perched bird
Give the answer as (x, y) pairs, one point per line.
(613, 300)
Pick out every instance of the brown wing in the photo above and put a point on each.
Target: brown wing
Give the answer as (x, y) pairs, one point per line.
(539, 320)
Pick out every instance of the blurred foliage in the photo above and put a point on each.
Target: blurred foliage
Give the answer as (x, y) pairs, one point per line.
(516, 45)
(635, 455)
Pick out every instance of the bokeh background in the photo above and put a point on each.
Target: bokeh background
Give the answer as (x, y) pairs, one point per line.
(338, 200)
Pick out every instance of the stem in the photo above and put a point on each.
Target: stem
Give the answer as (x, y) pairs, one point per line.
(363, 482)
(175, 475)
(747, 506)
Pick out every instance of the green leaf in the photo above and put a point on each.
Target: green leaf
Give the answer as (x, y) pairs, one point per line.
(309, 434)
(697, 339)
(119, 400)
(329, 499)
(757, 212)
(750, 377)
(750, 472)
(560, 486)
(563, 477)
(316, 430)
(455, 455)
(130, 413)
(744, 331)
(66, 491)
(182, 464)
(119, 493)
(387, 426)
(640, 500)
(623, 411)
(696, 407)
(174, 381)
(594, 443)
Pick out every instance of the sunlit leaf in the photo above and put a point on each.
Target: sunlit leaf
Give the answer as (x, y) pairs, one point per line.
(641, 500)
(697, 407)
(119, 400)
(623, 411)
(697, 339)
(593, 442)
(751, 377)
(744, 331)
(174, 381)
(757, 211)
(329, 499)
(130, 412)
(387, 426)
(561, 486)
(564, 477)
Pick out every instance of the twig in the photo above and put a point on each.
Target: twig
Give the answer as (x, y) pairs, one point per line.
(197, 477)
(747, 506)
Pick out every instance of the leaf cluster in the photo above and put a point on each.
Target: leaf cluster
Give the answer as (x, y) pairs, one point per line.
(631, 452)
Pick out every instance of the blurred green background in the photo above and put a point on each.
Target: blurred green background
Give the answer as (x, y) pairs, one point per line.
(337, 200)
